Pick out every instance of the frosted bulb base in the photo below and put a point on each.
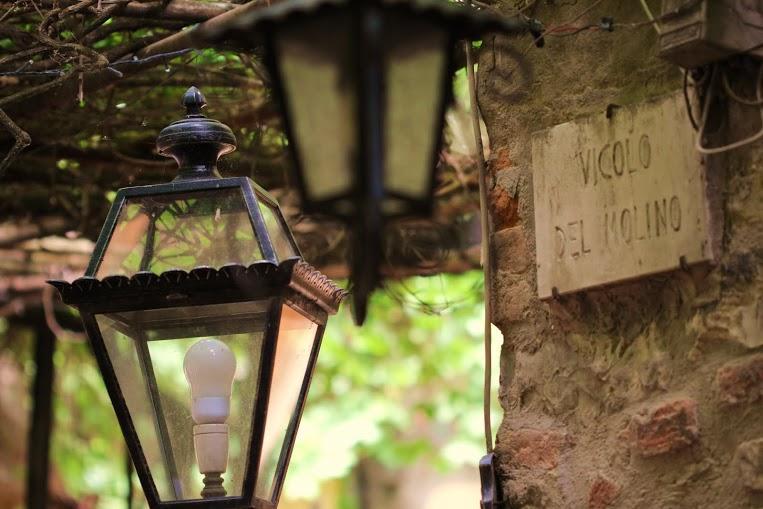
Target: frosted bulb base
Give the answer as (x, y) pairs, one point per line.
(210, 410)
(211, 444)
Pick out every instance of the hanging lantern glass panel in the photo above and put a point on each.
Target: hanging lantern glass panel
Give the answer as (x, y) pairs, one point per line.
(148, 350)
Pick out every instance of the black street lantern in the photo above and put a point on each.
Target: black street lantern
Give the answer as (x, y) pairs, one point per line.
(364, 86)
(206, 325)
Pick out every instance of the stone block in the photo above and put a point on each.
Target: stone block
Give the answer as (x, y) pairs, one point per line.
(512, 299)
(749, 457)
(735, 322)
(511, 253)
(664, 427)
(741, 380)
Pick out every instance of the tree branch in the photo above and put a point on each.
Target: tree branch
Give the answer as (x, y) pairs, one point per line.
(67, 90)
(21, 141)
(180, 10)
(130, 24)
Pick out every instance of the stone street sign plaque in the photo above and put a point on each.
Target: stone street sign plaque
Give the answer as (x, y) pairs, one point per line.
(618, 198)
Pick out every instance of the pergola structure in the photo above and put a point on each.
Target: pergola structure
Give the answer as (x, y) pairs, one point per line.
(90, 111)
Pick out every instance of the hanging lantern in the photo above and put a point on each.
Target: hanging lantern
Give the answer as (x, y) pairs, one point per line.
(364, 86)
(206, 325)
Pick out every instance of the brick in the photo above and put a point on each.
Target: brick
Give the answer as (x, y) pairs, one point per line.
(499, 160)
(511, 251)
(535, 449)
(603, 493)
(665, 427)
(749, 459)
(741, 380)
(504, 208)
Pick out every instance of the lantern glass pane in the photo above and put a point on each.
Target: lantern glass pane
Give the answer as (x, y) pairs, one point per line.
(277, 231)
(296, 341)
(181, 231)
(147, 350)
(416, 59)
(319, 90)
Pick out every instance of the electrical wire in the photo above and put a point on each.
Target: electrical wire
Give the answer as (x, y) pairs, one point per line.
(486, 254)
(706, 110)
(409, 298)
(678, 11)
(687, 101)
(607, 23)
(563, 26)
(568, 31)
(742, 100)
(649, 15)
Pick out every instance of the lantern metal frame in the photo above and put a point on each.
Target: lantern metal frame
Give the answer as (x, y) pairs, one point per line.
(289, 281)
(366, 194)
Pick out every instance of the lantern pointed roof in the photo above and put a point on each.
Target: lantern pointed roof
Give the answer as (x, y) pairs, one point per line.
(462, 21)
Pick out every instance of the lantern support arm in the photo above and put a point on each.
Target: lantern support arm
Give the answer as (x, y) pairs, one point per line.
(368, 223)
(311, 283)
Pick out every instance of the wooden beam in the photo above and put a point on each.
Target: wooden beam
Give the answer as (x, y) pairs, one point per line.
(14, 231)
(180, 10)
(38, 448)
(190, 38)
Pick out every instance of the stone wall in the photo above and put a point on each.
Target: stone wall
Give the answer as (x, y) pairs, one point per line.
(647, 394)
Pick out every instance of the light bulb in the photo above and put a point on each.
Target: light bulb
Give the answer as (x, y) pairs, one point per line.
(209, 367)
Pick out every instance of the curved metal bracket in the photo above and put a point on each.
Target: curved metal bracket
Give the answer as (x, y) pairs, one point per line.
(492, 497)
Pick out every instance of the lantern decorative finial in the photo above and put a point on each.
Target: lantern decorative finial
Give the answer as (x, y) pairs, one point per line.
(194, 101)
(196, 142)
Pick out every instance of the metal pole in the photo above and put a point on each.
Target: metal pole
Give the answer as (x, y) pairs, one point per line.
(38, 446)
(369, 178)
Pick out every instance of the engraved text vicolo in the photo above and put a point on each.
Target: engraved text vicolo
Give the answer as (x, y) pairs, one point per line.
(615, 159)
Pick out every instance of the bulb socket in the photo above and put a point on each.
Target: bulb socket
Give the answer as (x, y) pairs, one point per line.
(211, 444)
